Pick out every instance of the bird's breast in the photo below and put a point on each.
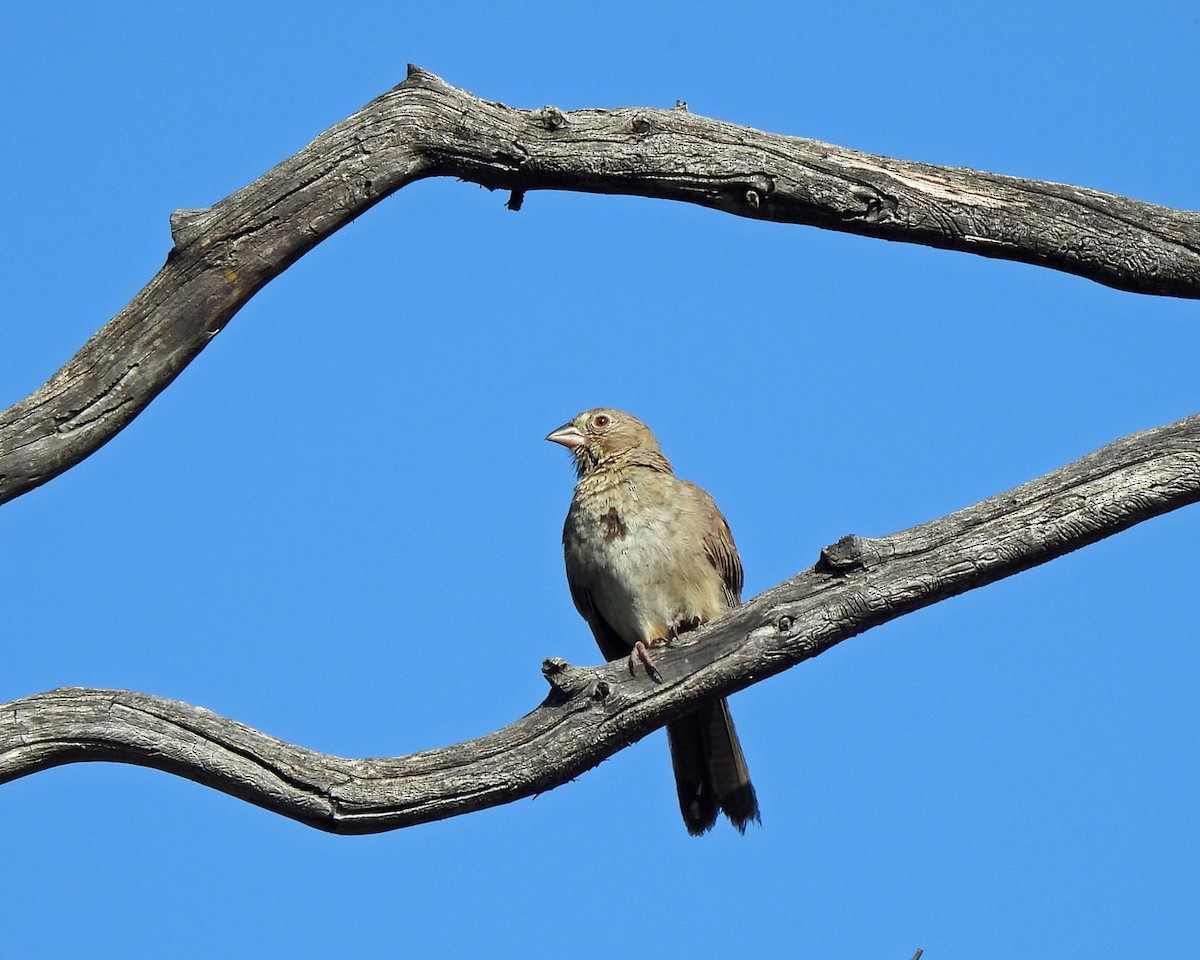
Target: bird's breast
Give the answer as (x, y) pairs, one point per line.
(637, 553)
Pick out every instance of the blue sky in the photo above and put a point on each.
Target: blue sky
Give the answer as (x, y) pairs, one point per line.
(341, 525)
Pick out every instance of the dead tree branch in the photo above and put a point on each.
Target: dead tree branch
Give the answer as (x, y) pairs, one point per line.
(592, 713)
(424, 128)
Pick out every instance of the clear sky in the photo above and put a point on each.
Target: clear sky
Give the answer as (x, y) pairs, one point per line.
(341, 524)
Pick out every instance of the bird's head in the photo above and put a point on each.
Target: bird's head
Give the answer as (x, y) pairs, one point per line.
(604, 437)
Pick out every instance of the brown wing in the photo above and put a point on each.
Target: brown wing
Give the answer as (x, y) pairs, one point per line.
(718, 545)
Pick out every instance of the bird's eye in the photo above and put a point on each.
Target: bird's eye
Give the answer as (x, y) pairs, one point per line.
(601, 420)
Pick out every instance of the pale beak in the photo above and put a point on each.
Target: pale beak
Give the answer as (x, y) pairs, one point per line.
(568, 435)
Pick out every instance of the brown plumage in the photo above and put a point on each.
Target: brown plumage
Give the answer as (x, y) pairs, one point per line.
(649, 556)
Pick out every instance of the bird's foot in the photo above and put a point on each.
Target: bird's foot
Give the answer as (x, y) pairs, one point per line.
(684, 624)
(681, 627)
(641, 654)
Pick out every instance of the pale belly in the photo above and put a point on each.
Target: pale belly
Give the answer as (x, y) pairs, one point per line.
(646, 576)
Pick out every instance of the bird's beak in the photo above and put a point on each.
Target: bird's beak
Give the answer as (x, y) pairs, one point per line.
(568, 435)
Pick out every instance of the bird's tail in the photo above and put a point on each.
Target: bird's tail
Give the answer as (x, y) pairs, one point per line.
(710, 770)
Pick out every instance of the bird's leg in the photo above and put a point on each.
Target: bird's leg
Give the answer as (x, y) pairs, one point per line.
(683, 625)
(641, 654)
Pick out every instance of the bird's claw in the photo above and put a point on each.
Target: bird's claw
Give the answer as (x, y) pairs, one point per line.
(641, 654)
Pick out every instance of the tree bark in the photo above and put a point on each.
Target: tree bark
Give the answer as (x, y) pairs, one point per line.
(424, 127)
(591, 713)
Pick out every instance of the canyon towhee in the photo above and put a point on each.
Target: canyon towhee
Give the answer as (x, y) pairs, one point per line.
(649, 556)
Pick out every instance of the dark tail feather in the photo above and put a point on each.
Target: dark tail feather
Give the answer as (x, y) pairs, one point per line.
(730, 777)
(697, 798)
(710, 770)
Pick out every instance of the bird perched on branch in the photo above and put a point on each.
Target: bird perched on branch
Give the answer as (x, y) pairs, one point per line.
(649, 556)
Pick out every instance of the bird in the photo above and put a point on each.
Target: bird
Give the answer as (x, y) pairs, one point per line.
(649, 557)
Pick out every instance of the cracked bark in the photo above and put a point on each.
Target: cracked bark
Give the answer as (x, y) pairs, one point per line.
(591, 713)
(424, 127)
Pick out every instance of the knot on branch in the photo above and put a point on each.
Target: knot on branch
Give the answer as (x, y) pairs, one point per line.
(852, 552)
(187, 225)
(875, 207)
(569, 681)
(550, 116)
(758, 188)
(417, 74)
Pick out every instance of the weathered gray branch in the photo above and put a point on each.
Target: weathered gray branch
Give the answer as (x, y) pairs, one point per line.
(425, 128)
(592, 713)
